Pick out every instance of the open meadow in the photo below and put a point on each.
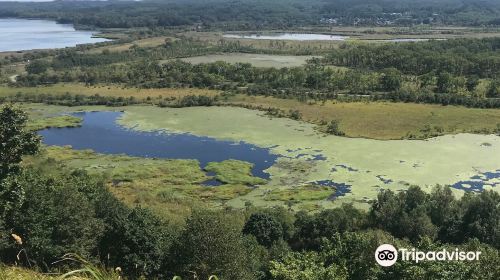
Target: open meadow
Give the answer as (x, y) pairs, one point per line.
(257, 60)
(384, 120)
(104, 90)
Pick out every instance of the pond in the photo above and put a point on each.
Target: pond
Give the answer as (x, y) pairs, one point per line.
(288, 36)
(101, 133)
(28, 34)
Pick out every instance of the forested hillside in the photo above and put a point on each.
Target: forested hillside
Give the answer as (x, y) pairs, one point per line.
(459, 71)
(255, 14)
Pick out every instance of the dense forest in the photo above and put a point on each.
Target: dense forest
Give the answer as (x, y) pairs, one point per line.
(459, 71)
(49, 210)
(257, 14)
(458, 57)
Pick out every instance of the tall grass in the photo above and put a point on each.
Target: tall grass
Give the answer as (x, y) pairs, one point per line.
(89, 270)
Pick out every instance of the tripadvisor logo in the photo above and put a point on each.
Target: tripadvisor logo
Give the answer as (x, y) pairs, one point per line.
(387, 255)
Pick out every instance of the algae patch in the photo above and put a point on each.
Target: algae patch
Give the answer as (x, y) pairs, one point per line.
(365, 164)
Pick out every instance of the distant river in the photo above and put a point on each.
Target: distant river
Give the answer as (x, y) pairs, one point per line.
(28, 34)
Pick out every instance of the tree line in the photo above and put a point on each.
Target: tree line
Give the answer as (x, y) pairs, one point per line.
(254, 14)
(460, 57)
(314, 80)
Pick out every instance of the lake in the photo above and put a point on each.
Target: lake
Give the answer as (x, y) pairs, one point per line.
(28, 34)
(288, 36)
(101, 133)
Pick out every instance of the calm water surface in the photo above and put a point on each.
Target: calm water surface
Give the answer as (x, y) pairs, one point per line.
(101, 133)
(24, 34)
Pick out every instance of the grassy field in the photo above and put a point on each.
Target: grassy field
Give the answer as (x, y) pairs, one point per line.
(144, 43)
(257, 60)
(385, 120)
(105, 90)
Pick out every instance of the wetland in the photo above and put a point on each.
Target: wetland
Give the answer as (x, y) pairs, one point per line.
(292, 156)
(269, 140)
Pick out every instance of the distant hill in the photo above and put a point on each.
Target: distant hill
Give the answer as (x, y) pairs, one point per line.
(259, 14)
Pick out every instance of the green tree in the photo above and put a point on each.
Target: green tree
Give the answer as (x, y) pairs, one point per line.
(141, 243)
(404, 214)
(264, 227)
(445, 83)
(443, 212)
(212, 244)
(295, 114)
(494, 89)
(15, 140)
(472, 83)
(391, 79)
(305, 266)
(312, 229)
(354, 251)
(55, 217)
(334, 128)
(258, 257)
(37, 67)
(481, 217)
